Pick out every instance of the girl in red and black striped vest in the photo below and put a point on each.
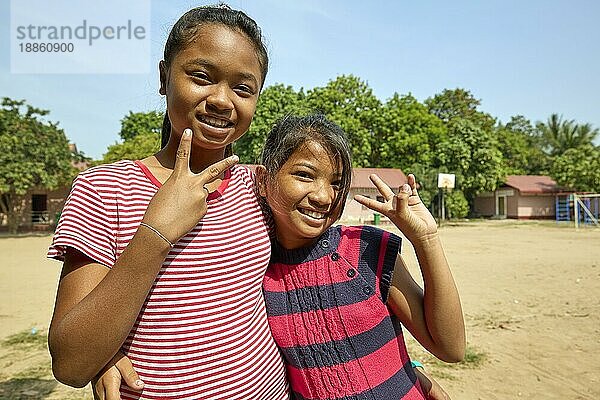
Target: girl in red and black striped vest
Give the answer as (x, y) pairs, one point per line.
(337, 297)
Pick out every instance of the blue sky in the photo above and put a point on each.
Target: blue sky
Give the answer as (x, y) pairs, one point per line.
(531, 58)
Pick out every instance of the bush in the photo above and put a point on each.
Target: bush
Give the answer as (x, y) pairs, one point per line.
(456, 204)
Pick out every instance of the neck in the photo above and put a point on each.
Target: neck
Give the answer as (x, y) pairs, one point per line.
(200, 159)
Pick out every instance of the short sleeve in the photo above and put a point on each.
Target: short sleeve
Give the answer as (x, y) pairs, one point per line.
(85, 226)
(380, 249)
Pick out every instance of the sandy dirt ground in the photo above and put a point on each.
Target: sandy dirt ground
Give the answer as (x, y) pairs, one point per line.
(530, 294)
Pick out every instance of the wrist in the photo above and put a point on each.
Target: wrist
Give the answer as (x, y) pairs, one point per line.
(426, 241)
(416, 364)
(153, 241)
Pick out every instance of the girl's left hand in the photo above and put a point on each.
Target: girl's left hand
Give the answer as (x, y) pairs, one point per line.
(405, 209)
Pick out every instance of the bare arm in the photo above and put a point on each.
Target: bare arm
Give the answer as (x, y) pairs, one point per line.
(433, 316)
(96, 307)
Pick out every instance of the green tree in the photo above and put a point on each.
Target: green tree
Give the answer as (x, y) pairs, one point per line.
(522, 147)
(134, 124)
(561, 135)
(406, 135)
(135, 148)
(274, 102)
(35, 154)
(472, 154)
(351, 104)
(578, 168)
(140, 132)
(456, 204)
(459, 104)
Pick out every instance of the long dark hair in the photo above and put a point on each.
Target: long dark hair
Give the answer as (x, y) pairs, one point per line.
(186, 28)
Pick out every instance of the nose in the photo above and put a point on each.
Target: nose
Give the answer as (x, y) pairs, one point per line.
(322, 195)
(219, 99)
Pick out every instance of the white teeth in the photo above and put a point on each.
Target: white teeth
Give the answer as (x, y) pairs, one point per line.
(312, 214)
(218, 123)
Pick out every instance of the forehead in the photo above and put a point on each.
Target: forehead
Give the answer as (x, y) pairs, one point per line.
(317, 156)
(223, 47)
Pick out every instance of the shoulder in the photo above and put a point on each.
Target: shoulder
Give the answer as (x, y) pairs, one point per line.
(244, 171)
(243, 175)
(115, 168)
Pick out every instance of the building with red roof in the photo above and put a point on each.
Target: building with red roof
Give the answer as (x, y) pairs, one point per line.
(521, 197)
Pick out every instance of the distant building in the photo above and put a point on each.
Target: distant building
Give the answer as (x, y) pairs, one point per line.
(361, 184)
(521, 197)
(41, 207)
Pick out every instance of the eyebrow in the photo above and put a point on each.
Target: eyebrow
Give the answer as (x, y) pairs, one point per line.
(208, 64)
(309, 165)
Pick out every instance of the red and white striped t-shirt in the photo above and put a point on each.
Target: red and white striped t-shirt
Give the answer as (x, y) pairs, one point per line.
(202, 332)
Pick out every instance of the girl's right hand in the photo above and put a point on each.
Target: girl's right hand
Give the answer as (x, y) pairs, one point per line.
(107, 384)
(181, 201)
(405, 209)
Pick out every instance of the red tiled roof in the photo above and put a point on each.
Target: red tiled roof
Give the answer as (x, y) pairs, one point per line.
(393, 177)
(533, 184)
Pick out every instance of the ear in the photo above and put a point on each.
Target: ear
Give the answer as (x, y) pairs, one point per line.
(162, 72)
(261, 180)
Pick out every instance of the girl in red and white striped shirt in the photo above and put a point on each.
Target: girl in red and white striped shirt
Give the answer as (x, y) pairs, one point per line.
(164, 257)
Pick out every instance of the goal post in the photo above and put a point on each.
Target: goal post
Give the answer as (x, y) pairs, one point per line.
(587, 209)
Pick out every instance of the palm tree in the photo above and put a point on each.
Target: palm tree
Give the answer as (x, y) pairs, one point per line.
(560, 135)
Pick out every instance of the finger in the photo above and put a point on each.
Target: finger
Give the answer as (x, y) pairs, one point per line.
(214, 171)
(112, 384)
(383, 188)
(371, 203)
(400, 203)
(129, 374)
(412, 182)
(98, 390)
(182, 158)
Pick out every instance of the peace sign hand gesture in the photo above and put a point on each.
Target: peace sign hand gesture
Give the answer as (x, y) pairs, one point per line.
(181, 201)
(405, 209)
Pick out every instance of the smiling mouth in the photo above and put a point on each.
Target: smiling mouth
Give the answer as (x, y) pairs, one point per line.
(215, 122)
(312, 214)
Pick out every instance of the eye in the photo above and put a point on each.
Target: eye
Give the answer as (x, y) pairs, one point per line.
(303, 175)
(244, 90)
(201, 78)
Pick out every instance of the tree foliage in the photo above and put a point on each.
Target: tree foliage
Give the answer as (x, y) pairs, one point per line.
(447, 133)
(138, 123)
(274, 102)
(140, 146)
(459, 103)
(522, 147)
(561, 135)
(406, 134)
(472, 154)
(456, 204)
(35, 154)
(578, 168)
(349, 102)
(140, 132)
